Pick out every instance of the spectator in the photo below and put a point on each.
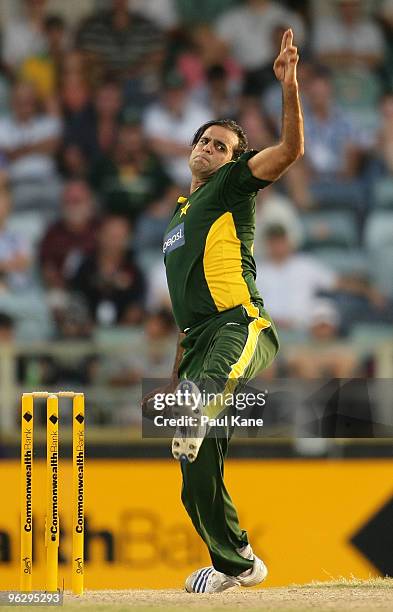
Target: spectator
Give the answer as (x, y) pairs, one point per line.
(384, 149)
(153, 359)
(220, 94)
(332, 158)
(255, 125)
(205, 50)
(203, 11)
(69, 239)
(132, 178)
(169, 123)
(274, 208)
(7, 334)
(43, 69)
(162, 13)
(29, 139)
(15, 258)
(249, 31)
(24, 37)
(79, 137)
(325, 355)
(109, 279)
(158, 295)
(386, 18)
(20, 296)
(290, 281)
(108, 104)
(129, 44)
(348, 39)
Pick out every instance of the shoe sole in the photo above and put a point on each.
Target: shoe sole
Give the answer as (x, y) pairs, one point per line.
(185, 445)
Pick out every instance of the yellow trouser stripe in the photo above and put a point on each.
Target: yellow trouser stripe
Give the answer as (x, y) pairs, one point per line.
(213, 409)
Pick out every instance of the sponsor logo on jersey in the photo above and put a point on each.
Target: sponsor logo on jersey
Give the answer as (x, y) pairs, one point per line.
(174, 239)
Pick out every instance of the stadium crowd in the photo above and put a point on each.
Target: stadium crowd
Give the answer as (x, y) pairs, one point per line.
(98, 104)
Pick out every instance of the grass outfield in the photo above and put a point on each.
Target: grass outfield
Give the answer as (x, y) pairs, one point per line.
(337, 596)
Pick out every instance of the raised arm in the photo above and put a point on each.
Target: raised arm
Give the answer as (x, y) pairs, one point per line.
(272, 162)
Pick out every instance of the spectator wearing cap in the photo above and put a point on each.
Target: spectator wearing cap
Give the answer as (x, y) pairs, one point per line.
(289, 280)
(109, 280)
(169, 123)
(29, 139)
(325, 355)
(132, 178)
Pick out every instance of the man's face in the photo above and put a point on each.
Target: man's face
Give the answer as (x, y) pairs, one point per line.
(278, 248)
(213, 150)
(23, 101)
(77, 203)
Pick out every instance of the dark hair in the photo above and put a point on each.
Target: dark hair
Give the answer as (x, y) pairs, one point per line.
(6, 322)
(275, 230)
(54, 22)
(229, 125)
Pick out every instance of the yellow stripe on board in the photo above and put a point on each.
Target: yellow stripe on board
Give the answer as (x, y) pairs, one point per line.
(52, 509)
(78, 484)
(26, 491)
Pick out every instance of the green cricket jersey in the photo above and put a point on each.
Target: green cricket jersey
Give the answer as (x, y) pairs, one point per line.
(208, 246)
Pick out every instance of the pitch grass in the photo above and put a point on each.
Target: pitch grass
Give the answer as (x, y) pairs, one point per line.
(342, 595)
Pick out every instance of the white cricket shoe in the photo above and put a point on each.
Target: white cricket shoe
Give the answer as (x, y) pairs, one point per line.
(209, 580)
(188, 438)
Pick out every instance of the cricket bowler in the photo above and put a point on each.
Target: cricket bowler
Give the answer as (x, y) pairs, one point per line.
(226, 334)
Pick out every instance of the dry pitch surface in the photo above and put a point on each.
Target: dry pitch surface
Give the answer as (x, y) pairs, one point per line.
(342, 596)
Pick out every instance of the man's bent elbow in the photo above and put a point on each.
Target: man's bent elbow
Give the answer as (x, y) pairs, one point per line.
(293, 154)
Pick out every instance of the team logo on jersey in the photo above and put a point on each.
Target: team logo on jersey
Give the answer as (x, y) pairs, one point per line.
(174, 239)
(183, 211)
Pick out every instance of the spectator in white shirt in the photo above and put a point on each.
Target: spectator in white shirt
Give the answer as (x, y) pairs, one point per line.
(29, 140)
(168, 125)
(250, 33)
(349, 39)
(290, 281)
(15, 259)
(24, 37)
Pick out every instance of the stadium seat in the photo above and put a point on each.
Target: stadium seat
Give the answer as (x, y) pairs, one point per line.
(118, 336)
(147, 259)
(366, 337)
(342, 260)
(382, 267)
(330, 228)
(379, 230)
(383, 193)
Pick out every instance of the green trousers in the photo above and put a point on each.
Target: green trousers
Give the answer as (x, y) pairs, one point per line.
(235, 344)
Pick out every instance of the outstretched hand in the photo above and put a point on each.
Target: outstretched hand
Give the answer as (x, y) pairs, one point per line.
(286, 63)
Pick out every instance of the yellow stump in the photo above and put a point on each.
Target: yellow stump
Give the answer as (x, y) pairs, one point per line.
(78, 483)
(26, 498)
(52, 509)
